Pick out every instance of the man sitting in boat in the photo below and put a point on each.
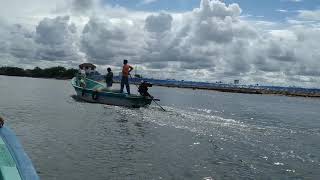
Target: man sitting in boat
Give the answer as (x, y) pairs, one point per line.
(1, 122)
(109, 78)
(82, 83)
(126, 69)
(80, 80)
(143, 89)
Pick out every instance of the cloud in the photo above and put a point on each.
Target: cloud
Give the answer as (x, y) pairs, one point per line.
(309, 15)
(54, 31)
(21, 43)
(217, 9)
(30, 12)
(212, 42)
(82, 5)
(53, 40)
(106, 41)
(158, 23)
(56, 39)
(282, 10)
(204, 39)
(148, 1)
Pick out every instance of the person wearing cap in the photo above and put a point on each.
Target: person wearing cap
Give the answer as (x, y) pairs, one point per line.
(1, 122)
(126, 69)
(143, 89)
(109, 78)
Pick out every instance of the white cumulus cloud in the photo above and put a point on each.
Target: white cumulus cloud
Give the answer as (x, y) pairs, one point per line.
(210, 43)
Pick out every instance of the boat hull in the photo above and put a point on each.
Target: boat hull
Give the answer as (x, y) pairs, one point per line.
(14, 162)
(92, 95)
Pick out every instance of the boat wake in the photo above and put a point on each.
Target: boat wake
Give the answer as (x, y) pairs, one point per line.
(225, 132)
(203, 121)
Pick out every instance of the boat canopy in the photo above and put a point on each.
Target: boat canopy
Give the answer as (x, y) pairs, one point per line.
(87, 66)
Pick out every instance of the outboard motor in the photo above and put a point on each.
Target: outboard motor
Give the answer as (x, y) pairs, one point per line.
(143, 89)
(1, 122)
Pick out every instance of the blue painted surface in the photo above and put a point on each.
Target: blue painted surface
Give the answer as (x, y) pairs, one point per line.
(23, 162)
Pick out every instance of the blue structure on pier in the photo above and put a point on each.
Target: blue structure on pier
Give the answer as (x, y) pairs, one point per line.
(204, 85)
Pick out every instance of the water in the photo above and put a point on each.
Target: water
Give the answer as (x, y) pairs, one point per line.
(203, 134)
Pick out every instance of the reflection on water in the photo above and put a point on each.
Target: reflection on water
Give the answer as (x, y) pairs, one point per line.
(202, 135)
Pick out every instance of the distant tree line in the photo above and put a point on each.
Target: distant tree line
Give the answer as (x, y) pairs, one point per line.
(58, 72)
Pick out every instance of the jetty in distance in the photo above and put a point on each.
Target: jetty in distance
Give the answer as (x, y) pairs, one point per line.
(232, 88)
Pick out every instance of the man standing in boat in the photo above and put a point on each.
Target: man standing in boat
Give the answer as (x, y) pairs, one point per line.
(126, 69)
(109, 78)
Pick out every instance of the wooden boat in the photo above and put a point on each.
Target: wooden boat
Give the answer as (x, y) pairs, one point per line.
(96, 92)
(14, 162)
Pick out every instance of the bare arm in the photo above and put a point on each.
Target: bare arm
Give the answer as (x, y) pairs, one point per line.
(130, 68)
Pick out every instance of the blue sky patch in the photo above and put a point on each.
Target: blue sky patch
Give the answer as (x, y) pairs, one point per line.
(272, 10)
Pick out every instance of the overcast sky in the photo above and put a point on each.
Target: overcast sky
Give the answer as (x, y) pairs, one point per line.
(267, 42)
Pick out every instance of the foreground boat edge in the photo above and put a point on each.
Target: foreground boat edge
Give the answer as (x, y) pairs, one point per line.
(22, 160)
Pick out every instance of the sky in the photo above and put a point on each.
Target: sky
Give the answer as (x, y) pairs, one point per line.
(271, 42)
(268, 9)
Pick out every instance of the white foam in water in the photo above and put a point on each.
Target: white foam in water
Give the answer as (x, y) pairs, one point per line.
(199, 121)
(223, 129)
(202, 121)
(208, 111)
(208, 178)
(278, 164)
(291, 170)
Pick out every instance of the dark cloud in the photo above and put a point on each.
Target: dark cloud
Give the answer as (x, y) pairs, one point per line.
(197, 64)
(304, 70)
(157, 65)
(53, 39)
(99, 40)
(53, 31)
(56, 39)
(158, 23)
(21, 43)
(263, 65)
(82, 6)
(281, 52)
(105, 43)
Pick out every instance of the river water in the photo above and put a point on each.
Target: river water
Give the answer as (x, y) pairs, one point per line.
(203, 134)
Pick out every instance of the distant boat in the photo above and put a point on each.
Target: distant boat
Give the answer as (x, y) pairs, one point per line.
(14, 162)
(96, 92)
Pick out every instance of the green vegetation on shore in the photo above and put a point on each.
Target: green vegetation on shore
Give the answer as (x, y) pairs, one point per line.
(58, 72)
